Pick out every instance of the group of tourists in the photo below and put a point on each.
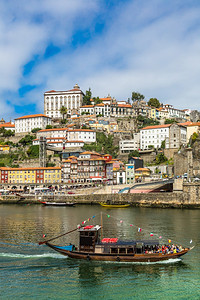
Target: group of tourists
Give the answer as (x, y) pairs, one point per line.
(165, 249)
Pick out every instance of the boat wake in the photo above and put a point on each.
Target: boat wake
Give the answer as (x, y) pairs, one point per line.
(169, 261)
(44, 255)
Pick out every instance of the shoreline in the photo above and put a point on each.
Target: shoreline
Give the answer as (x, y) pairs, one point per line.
(151, 200)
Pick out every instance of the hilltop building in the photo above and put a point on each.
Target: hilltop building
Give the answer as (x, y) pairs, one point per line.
(54, 100)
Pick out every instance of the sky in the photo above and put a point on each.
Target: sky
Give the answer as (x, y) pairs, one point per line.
(114, 47)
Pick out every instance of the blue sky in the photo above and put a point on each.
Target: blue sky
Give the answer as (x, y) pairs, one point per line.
(114, 47)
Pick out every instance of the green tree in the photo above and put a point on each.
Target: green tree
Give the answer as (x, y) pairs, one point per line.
(137, 96)
(6, 133)
(34, 130)
(163, 144)
(147, 121)
(194, 137)
(154, 102)
(96, 100)
(87, 97)
(134, 153)
(27, 140)
(63, 111)
(160, 158)
(33, 151)
(103, 144)
(170, 121)
(49, 127)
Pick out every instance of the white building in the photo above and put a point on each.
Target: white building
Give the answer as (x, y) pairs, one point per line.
(26, 123)
(127, 146)
(87, 109)
(52, 133)
(153, 135)
(54, 100)
(173, 112)
(84, 135)
(173, 135)
(8, 126)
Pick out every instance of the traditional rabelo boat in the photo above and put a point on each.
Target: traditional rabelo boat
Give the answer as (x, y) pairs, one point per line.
(46, 203)
(110, 204)
(112, 249)
(114, 205)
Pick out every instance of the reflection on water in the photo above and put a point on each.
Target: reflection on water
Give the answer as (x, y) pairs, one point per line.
(37, 270)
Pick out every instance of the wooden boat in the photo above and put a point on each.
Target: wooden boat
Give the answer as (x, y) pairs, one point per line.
(91, 248)
(46, 203)
(114, 205)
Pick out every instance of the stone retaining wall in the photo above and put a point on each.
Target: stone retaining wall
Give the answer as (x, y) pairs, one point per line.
(164, 200)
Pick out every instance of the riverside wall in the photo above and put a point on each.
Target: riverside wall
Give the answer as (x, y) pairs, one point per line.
(189, 198)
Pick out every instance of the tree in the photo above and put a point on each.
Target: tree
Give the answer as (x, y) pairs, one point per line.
(134, 153)
(137, 96)
(154, 102)
(49, 127)
(170, 121)
(63, 111)
(163, 144)
(160, 158)
(87, 97)
(103, 144)
(96, 100)
(6, 133)
(9, 133)
(33, 151)
(194, 137)
(27, 140)
(34, 130)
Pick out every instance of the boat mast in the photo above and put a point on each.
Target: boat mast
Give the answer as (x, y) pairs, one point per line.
(101, 226)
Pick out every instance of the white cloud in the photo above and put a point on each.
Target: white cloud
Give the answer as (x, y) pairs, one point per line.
(148, 46)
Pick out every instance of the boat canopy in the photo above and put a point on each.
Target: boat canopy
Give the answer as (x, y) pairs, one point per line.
(133, 242)
(90, 228)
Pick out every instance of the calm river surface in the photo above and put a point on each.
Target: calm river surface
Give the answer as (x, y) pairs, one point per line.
(30, 271)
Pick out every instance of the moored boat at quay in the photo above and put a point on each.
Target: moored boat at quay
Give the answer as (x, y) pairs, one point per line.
(113, 249)
(114, 205)
(46, 203)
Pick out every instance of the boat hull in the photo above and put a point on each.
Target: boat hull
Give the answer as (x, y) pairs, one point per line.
(114, 205)
(57, 204)
(153, 257)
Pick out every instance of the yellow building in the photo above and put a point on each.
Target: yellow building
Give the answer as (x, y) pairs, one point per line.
(142, 172)
(50, 175)
(4, 147)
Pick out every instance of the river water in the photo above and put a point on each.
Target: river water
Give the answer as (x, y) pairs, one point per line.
(30, 271)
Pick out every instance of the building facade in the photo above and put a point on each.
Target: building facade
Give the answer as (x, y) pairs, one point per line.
(130, 173)
(53, 101)
(126, 146)
(25, 124)
(38, 175)
(84, 135)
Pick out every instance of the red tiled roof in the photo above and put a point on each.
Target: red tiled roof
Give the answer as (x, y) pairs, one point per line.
(100, 104)
(32, 116)
(87, 130)
(87, 106)
(52, 91)
(53, 129)
(125, 105)
(8, 124)
(157, 126)
(25, 169)
(74, 142)
(90, 152)
(190, 124)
